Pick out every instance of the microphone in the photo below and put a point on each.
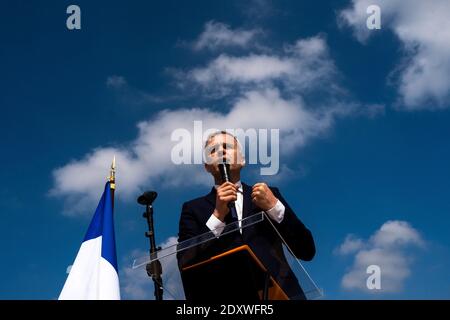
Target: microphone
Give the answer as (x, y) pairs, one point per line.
(147, 198)
(224, 169)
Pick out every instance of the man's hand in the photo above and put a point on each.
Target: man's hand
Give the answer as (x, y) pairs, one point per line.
(225, 193)
(263, 197)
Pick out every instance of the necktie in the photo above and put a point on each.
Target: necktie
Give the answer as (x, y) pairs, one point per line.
(233, 212)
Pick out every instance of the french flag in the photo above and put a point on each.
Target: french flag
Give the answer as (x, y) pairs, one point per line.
(94, 274)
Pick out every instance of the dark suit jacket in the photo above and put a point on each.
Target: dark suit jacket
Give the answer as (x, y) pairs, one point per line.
(261, 238)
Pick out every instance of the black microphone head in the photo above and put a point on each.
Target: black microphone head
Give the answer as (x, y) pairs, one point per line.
(224, 169)
(147, 197)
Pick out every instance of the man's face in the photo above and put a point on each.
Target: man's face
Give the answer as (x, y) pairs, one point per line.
(222, 148)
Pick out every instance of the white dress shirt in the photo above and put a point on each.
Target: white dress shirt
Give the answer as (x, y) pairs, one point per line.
(216, 226)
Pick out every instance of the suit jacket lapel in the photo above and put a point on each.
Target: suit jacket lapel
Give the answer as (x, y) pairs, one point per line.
(211, 197)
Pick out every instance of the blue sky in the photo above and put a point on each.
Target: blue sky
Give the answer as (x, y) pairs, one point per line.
(363, 118)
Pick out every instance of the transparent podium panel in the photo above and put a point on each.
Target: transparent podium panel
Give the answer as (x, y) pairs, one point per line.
(232, 263)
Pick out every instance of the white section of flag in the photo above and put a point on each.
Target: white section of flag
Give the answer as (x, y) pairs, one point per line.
(91, 277)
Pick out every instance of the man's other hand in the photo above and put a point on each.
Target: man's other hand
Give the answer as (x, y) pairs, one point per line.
(263, 197)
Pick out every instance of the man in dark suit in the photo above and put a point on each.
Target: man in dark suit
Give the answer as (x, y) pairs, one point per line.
(212, 213)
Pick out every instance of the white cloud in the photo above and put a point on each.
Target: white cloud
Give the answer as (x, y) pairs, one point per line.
(218, 35)
(423, 27)
(242, 69)
(389, 248)
(147, 160)
(137, 285)
(301, 66)
(395, 234)
(351, 244)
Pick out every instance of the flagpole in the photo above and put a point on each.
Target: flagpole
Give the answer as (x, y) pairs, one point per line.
(112, 180)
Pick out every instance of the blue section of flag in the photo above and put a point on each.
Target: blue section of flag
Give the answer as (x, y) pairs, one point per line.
(102, 224)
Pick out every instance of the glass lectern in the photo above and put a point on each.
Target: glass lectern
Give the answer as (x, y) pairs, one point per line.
(192, 270)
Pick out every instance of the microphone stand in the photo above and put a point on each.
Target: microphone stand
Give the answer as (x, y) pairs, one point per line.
(154, 268)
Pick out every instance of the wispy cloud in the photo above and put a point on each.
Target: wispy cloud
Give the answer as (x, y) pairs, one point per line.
(130, 95)
(256, 10)
(423, 28)
(391, 248)
(351, 244)
(299, 67)
(116, 82)
(218, 35)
